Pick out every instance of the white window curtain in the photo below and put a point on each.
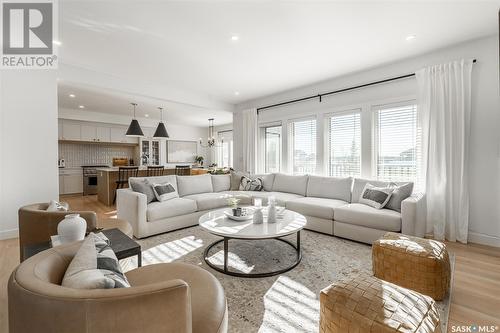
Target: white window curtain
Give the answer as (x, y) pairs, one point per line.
(444, 102)
(249, 135)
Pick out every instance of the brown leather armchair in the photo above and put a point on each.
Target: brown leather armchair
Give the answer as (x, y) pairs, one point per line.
(171, 297)
(36, 225)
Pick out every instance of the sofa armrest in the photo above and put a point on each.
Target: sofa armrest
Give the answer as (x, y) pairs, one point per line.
(131, 206)
(413, 215)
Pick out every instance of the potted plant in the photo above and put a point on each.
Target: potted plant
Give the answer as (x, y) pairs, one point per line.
(233, 203)
(199, 160)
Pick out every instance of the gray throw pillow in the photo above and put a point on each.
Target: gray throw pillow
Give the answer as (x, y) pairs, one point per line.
(376, 197)
(236, 179)
(249, 184)
(94, 266)
(143, 186)
(400, 193)
(164, 191)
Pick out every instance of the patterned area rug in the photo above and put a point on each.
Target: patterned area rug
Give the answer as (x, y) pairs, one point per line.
(283, 303)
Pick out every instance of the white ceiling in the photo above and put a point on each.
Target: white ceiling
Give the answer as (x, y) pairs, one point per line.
(282, 45)
(118, 103)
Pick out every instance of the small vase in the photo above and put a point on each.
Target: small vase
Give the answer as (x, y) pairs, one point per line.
(258, 218)
(72, 228)
(271, 212)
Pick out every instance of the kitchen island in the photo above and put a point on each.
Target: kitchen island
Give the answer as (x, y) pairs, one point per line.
(107, 177)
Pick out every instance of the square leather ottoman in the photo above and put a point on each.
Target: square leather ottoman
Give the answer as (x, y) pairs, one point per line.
(366, 304)
(415, 263)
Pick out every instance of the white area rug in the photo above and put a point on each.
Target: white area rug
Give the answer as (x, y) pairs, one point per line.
(284, 303)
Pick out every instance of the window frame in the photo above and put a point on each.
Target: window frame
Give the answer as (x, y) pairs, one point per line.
(290, 143)
(327, 122)
(375, 108)
(261, 167)
(218, 152)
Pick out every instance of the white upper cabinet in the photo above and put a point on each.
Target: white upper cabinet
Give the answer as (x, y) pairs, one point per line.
(88, 133)
(118, 135)
(93, 132)
(103, 134)
(71, 131)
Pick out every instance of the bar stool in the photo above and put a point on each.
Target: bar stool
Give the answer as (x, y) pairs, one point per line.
(182, 170)
(124, 173)
(155, 170)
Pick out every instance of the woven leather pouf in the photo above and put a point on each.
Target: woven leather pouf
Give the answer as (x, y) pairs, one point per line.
(366, 304)
(419, 264)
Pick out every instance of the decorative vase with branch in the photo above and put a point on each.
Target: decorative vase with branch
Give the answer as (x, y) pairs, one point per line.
(233, 203)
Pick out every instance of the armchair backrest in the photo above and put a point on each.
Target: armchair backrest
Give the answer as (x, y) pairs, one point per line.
(36, 224)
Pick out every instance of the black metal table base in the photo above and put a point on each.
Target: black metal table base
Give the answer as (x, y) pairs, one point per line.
(225, 269)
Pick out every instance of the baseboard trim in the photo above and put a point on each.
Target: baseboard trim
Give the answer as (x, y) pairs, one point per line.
(7, 234)
(478, 238)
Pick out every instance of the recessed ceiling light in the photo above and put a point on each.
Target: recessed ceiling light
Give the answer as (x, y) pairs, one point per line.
(236, 93)
(81, 106)
(146, 115)
(234, 38)
(410, 37)
(56, 42)
(72, 95)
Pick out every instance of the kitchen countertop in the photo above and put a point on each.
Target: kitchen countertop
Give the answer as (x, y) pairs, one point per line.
(111, 169)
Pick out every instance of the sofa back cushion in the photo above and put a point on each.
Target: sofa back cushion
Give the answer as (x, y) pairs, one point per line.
(405, 190)
(290, 184)
(221, 182)
(359, 186)
(330, 187)
(188, 185)
(267, 180)
(172, 179)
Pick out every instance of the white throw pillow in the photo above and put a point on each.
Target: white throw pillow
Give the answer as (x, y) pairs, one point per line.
(164, 191)
(56, 206)
(376, 197)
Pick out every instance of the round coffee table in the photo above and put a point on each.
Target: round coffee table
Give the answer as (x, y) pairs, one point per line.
(217, 223)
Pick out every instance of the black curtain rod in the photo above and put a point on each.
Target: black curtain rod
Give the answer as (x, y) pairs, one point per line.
(320, 96)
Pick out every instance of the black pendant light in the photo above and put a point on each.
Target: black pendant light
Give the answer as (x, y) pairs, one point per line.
(161, 131)
(134, 128)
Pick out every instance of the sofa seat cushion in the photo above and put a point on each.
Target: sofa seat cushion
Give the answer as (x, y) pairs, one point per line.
(174, 207)
(281, 197)
(366, 216)
(244, 196)
(315, 207)
(206, 201)
(208, 301)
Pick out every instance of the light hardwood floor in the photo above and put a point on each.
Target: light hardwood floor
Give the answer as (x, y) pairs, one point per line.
(475, 296)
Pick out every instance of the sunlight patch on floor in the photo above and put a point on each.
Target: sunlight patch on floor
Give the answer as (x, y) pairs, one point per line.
(235, 263)
(290, 306)
(164, 253)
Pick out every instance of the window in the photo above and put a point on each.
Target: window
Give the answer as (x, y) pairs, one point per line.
(272, 149)
(303, 146)
(344, 145)
(395, 143)
(225, 149)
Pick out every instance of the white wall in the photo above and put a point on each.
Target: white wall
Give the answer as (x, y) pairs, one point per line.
(484, 225)
(28, 143)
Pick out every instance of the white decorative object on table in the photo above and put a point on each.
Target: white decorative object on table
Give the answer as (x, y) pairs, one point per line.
(258, 217)
(271, 210)
(245, 215)
(257, 202)
(72, 228)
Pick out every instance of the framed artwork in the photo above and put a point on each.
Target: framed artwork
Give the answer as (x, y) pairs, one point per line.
(181, 151)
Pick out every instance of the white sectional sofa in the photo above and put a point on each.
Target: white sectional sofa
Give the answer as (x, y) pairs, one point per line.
(330, 205)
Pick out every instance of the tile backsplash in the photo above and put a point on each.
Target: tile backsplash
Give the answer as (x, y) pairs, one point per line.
(76, 154)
